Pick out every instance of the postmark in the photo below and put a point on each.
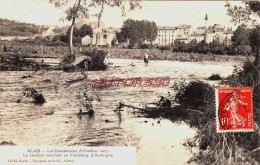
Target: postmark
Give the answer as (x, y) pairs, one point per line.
(234, 110)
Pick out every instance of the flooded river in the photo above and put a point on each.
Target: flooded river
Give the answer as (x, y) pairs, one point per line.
(157, 143)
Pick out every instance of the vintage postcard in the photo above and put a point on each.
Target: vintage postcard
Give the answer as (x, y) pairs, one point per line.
(146, 82)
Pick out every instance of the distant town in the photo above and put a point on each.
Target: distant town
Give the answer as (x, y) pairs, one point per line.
(166, 35)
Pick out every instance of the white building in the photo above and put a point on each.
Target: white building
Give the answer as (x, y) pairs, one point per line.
(105, 37)
(201, 30)
(87, 40)
(166, 35)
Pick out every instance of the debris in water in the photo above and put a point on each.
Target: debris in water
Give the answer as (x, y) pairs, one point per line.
(31, 92)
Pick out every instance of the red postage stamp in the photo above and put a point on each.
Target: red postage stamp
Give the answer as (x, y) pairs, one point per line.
(234, 109)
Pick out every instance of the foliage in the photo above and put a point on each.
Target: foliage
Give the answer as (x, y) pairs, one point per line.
(78, 34)
(214, 148)
(195, 95)
(162, 48)
(202, 47)
(254, 41)
(138, 32)
(240, 36)
(14, 28)
(72, 11)
(246, 77)
(98, 57)
(215, 77)
(249, 13)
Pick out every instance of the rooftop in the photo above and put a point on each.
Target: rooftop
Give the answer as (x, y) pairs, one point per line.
(166, 28)
(201, 27)
(184, 26)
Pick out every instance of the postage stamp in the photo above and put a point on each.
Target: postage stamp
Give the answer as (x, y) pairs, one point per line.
(234, 109)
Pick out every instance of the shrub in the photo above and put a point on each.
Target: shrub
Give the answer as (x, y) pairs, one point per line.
(215, 77)
(162, 48)
(98, 57)
(195, 95)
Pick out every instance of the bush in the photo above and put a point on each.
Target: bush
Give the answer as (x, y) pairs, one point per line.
(162, 48)
(215, 77)
(98, 57)
(195, 95)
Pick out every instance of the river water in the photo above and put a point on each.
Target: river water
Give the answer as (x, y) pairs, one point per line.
(157, 142)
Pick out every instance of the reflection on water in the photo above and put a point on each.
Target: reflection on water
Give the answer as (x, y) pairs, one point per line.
(28, 124)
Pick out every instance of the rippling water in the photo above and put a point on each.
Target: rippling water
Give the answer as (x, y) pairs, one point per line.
(28, 124)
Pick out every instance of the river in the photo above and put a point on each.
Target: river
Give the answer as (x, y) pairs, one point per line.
(157, 142)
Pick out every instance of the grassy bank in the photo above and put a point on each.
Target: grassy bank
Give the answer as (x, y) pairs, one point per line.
(156, 54)
(35, 50)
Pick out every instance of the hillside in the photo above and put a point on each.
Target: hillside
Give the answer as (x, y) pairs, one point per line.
(14, 28)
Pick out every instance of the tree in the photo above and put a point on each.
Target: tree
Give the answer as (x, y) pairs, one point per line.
(151, 31)
(138, 31)
(112, 3)
(77, 34)
(206, 19)
(85, 30)
(73, 10)
(248, 15)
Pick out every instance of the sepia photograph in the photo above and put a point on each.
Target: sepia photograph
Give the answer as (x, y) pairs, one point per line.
(145, 82)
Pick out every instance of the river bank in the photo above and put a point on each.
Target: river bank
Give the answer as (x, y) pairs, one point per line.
(59, 52)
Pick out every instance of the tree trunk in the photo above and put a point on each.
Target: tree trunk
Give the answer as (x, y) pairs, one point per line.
(71, 37)
(71, 32)
(99, 21)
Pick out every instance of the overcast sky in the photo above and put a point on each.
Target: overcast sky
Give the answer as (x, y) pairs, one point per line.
(170, 13)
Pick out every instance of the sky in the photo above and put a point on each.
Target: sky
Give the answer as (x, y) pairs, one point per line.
(163, 13)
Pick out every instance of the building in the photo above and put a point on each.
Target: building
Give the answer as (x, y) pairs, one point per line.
(210, 36)
(166, 35)
(183, 32)
(197, 37)
(87, 40)
(227, 35)
(201, 30)
(105, 37)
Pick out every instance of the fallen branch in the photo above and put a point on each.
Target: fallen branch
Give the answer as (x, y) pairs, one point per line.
(193, 110)
(157, 108)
